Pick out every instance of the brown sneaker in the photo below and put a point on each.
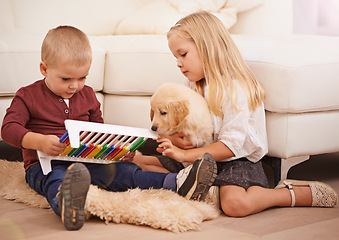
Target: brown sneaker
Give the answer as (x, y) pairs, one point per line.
(73, 192)
(195, 181)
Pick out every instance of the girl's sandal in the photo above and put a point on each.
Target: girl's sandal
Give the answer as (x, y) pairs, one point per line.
(322, 194)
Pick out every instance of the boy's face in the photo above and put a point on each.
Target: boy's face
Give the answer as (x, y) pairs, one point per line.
(187, 55)
(65, 80)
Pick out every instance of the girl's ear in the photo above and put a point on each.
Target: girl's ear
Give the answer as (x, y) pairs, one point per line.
(43, 68)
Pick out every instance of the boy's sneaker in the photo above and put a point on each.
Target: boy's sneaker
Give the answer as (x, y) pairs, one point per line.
(73, 192)
(195, 181)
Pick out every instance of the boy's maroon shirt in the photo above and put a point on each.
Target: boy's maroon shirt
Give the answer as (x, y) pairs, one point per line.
(37, 109)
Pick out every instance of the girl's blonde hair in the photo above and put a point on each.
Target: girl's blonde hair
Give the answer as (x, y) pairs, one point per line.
(66, 44)
(221, 60)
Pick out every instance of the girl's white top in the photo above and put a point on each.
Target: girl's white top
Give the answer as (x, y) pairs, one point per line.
(241, 130)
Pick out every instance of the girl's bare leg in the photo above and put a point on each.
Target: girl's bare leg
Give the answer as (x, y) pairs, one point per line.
(237, 202)
(149, 163)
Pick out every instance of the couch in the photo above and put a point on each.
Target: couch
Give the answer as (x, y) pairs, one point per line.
(131, 59)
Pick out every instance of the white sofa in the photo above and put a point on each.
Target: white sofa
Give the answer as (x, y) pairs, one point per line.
(131, 59)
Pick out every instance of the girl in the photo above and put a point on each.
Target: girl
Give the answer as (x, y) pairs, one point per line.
(209, 59)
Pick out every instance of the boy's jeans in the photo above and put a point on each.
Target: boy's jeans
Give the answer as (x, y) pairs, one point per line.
(116, 177)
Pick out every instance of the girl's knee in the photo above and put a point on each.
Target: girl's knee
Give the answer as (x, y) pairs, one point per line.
(235, 206)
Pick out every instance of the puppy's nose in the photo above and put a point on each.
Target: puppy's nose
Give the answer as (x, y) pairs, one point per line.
(154, 128)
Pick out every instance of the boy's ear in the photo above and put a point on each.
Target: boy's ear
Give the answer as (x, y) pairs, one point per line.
(43, 68)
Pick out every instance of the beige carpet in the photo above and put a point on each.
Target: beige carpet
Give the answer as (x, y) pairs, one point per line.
(161, 209)
(300, 223)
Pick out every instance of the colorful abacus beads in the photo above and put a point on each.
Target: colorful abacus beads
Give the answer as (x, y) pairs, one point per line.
(102, 145)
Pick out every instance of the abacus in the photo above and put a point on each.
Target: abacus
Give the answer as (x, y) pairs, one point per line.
(97, 143)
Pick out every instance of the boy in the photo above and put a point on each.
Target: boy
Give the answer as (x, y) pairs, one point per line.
(35, 121)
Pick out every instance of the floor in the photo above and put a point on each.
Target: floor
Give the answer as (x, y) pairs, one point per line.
(21, 222)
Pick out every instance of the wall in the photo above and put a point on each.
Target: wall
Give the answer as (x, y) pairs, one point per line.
(316, 17)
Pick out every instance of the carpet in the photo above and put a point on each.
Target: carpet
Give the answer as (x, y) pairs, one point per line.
(160, 209)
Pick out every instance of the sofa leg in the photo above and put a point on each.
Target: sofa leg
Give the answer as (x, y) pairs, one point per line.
(287, 163)
(281, 166)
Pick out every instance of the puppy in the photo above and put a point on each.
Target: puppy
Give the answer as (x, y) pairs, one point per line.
(176, 108)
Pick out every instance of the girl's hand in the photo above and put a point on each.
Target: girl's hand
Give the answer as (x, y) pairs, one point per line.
(128, 157)
(178, 139)
(51, 146)
(167, 148)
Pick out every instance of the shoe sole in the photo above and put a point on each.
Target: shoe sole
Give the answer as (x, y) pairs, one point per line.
(204, 177)
(73, 194)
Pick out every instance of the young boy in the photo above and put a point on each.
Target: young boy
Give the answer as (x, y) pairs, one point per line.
(35, 121)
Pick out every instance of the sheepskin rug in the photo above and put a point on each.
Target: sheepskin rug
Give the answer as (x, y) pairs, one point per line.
(160, 209)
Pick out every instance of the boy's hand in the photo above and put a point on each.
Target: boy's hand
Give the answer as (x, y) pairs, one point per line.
(128, 157)
(51, 145)
(48, 144)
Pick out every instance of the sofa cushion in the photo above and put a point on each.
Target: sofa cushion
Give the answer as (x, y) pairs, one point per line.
(133, 111)
(143, 20)
(294, 134)
(108, 17)
(137, 64)
(20, 59)
(6, 16)
(244, 5)
(92, 17)
(299, 73)
(255, 21)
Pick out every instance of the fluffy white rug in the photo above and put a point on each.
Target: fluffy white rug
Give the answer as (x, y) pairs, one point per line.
(161, 209)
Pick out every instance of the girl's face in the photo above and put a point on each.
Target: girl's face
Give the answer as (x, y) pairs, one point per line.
(65, 80)
(187, 55)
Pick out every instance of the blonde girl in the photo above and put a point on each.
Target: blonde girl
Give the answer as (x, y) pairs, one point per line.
(208, 57)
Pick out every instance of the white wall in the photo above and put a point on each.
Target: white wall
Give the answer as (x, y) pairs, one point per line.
(316, 17)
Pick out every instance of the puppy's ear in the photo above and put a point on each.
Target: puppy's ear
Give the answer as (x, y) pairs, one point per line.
(151, 114)
(178, 112)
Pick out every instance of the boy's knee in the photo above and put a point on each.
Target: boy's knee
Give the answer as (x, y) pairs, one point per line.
(235, 206)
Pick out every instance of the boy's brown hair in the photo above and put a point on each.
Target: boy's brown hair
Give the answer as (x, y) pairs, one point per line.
(66, 44)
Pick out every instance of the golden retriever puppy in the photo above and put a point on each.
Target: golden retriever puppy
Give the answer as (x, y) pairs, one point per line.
(176, 108)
